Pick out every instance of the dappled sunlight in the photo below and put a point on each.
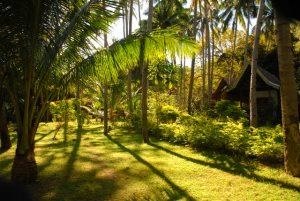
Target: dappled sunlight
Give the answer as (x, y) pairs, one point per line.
(91, 166)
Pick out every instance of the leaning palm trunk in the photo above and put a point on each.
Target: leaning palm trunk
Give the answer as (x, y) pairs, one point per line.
(289, 102)
(253, 105)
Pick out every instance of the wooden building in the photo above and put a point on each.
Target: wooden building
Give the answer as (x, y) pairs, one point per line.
(268, 94)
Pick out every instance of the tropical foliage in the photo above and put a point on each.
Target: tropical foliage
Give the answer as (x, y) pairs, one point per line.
(57, 64)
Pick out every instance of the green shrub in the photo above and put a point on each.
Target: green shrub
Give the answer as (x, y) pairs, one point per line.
(63, 110)
(230, 136)
(237, 136)
(267, 144)
(226, 108)
(174, 133)
(167, 114)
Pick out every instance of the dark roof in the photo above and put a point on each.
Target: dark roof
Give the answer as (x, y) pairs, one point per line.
(222, 86)
(270, 79)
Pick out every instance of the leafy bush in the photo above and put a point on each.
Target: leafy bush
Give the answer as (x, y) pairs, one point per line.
(63, 110)
(267, 143)
(230, 136)
(226, 108)
(167, 114)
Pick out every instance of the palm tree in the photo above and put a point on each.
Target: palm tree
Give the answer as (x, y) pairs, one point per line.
(288, 93)
(252, 95)
(38, 33)
(172, 13)
(250, 10)
(233, 12)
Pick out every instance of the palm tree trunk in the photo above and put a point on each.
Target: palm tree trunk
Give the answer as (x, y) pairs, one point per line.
(191, 86)
(145, 79)
(139, 11)
(252, 95)
(184, 83)
(247, 37)
(129, 76)
(180, 82)
(105, 94)
(24, 168)
(212, 57)
(78, 102)
(203, 59)
(207, 34)
(289, 100)
(233, 51)
(4, 134)
(144, 93)
(105, 105)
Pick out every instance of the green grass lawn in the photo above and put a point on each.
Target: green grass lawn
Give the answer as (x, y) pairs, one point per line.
(86, 166)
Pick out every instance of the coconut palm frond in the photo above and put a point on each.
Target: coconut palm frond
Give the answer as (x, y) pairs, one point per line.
(124, 54)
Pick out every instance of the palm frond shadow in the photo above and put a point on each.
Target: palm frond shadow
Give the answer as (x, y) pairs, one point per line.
(178, 192)
(231, 166)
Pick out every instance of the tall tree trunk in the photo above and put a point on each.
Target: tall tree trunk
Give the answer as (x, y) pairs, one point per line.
(233, 51)
(180, 82)
(289, 101)
(4, 134)
(184, 83)
(207, 34)
(28, 116)
(204, 100)
(212, 55)
(105, 104)
(105, 93)
(139, 11)
(191, 86)
(144, 93)
(24, 168)
(129, 76)
(247, 37)
(145, 80)
(78, 102)
(252, 95)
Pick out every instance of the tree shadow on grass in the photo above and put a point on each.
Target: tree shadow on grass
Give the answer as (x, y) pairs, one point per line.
(42, 136)
(232, 166)
(71, 184)
(177, 191)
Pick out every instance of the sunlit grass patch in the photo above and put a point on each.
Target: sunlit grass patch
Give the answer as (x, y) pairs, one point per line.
(86, 165)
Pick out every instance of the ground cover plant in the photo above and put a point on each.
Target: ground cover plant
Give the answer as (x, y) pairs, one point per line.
(86, 165)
